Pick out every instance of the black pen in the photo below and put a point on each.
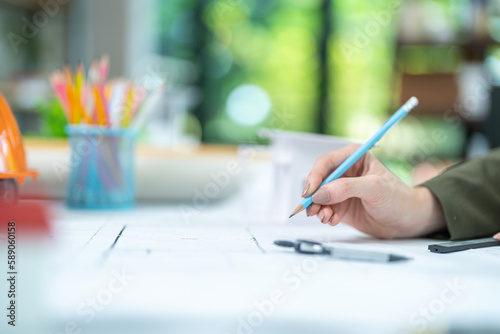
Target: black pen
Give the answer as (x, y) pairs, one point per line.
(312, 247)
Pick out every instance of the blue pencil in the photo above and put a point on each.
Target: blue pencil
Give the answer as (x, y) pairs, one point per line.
(398, 115)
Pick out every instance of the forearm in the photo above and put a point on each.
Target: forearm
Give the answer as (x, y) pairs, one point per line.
(429, 217)
(423, 215)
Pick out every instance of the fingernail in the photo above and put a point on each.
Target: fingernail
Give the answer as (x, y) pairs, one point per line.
(308, 209)
(306, 189)
(321, 196)
(321, 216)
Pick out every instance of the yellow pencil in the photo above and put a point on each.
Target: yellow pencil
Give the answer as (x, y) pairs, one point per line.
(128, 106)
(79, 79)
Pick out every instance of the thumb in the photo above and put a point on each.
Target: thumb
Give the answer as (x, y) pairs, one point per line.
(324, 165)
(344, 188)
(497, 236)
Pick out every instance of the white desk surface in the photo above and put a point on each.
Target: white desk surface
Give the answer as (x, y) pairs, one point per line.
(209, 275)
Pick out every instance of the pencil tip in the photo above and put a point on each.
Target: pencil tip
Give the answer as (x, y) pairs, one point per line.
(393, 257)
(298, 209)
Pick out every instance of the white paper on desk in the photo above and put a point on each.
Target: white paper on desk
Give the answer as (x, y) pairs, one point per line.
(187, 240)
(201, 272)
(492, 252)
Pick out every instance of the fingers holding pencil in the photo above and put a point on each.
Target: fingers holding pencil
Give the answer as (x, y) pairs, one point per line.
(375, 201)
(325, 165)
(352, 160)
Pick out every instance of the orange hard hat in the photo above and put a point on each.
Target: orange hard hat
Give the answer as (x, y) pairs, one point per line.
(12, 156)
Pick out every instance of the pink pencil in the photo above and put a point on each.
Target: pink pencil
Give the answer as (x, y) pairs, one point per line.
(61, 93)
(103, 68)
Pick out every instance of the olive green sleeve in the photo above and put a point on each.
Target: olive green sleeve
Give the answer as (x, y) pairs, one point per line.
(470, 196)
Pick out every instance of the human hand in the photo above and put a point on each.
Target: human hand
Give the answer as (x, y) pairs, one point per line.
(497, 236)
(371, 199)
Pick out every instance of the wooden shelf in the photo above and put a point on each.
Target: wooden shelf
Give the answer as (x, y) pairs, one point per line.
(474, 49)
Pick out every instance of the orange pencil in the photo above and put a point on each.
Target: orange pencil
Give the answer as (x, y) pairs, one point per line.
(100, 108)
(77, 111)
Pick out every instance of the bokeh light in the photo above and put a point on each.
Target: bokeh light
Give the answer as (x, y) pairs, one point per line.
(248, 105)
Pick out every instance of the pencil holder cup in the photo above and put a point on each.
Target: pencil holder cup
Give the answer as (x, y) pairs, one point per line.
(101, 167)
